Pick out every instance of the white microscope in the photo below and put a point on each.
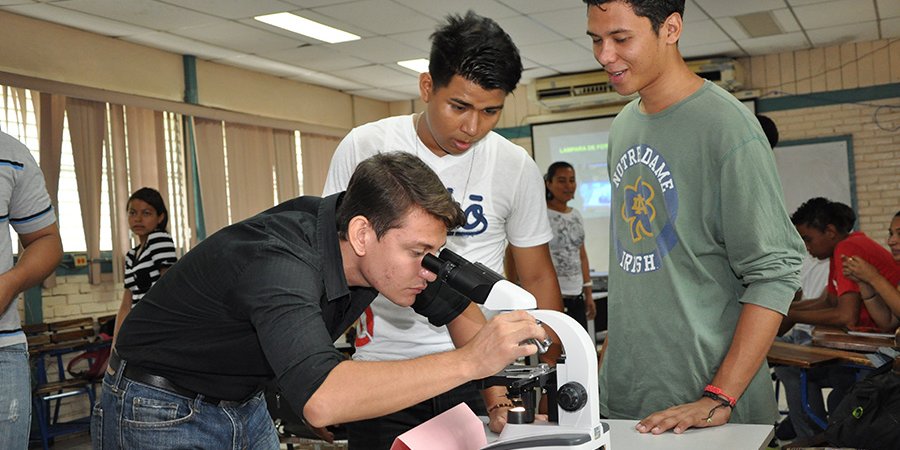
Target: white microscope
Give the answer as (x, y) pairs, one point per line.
(572, 386)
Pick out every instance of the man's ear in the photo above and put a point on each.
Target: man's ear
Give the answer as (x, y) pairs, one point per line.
(672, 28)
(359, 234)
(426, 84)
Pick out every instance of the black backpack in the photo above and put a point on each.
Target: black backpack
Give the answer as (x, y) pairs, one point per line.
(869, 416)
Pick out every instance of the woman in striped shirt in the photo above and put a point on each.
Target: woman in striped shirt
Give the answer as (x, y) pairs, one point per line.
(144, 264)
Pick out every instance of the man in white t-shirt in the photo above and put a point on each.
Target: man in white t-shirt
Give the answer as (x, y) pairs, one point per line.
(474, 65)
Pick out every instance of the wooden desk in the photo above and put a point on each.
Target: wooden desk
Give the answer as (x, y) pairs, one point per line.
(623, 436)
(810, 355)
(833, 337)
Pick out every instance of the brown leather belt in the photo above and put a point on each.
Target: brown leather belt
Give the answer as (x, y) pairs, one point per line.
(135, 373)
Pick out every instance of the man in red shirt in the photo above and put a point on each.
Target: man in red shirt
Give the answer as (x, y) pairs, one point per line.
(827, 229)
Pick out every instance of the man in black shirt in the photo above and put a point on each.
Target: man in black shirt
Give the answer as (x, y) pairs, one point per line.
(266, 298)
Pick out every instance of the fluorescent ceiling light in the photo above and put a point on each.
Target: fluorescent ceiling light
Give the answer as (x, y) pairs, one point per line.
(306, 27)
(416, 65)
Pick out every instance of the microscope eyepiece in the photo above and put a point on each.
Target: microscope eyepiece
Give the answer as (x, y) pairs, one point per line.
(473, 280)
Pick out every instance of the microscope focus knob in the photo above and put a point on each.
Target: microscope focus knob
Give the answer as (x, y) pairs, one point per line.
(572, 396)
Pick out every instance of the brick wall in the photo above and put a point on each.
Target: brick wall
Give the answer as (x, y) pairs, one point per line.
(874, 125)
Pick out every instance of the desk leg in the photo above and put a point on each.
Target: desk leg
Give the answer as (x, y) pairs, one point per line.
(804, 398)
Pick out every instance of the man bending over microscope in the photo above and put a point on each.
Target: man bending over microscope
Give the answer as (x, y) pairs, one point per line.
(266, 298)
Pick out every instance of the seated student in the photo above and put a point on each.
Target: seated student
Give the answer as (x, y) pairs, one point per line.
(265, 299)
(827, 229)
(880, 297)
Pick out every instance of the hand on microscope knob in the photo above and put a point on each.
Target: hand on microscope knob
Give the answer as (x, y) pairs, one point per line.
(501, 341)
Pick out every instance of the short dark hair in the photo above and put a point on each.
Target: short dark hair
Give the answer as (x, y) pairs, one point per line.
(477, 49)
(819, 212)
(551, 171)
(769, 127)
(655, 10)
(153, 198)
(384, 187)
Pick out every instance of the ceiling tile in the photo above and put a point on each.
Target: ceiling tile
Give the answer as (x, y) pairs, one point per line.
(775, 44)
(732, 28)
(315, 3)
(439, 9)
(181, 45)
(692, 13)
(703, 32)
(823, 37)
(527, 63)
(379, 50)
(717, 49)
(233, 9)
(151, 14)
(257, 63)
(331, 81)
(380, 94)
(730, 8)
(525, 31)
(379, 16)
(571, 23)
(888, 9)
(835, 13)
(533, 6)
(890, 28)
(75, 19)
(537, 72)
(411, 90)
(416, 39)
(785, 18)
(559, 52)
(237, 36)
(17, 2)
(805, 2)
(321, 58)
(376, 75)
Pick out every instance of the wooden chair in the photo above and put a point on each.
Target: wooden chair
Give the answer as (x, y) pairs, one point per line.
(47, 344)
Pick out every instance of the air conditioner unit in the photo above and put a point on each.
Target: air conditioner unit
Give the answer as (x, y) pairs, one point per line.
(591, 89)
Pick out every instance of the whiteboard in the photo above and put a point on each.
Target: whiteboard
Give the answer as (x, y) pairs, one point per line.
(583, 144)
(816, 168)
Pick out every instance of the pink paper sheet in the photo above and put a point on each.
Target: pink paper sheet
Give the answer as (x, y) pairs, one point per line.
(458, 428)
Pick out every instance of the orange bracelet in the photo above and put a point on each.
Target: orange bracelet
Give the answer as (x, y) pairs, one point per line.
(719, 392)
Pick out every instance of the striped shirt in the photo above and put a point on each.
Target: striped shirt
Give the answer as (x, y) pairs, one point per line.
(142, 266)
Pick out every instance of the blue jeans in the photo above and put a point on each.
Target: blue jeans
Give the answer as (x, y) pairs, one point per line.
(132, 415)
(15, 397)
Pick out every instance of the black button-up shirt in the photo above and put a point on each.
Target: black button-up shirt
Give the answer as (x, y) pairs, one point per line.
(261, 298)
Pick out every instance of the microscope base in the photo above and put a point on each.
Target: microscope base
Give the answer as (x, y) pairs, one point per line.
(548, 436)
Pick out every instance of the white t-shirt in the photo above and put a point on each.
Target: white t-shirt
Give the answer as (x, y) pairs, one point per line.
(497, 185)
(565, 249)
(814, 276)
